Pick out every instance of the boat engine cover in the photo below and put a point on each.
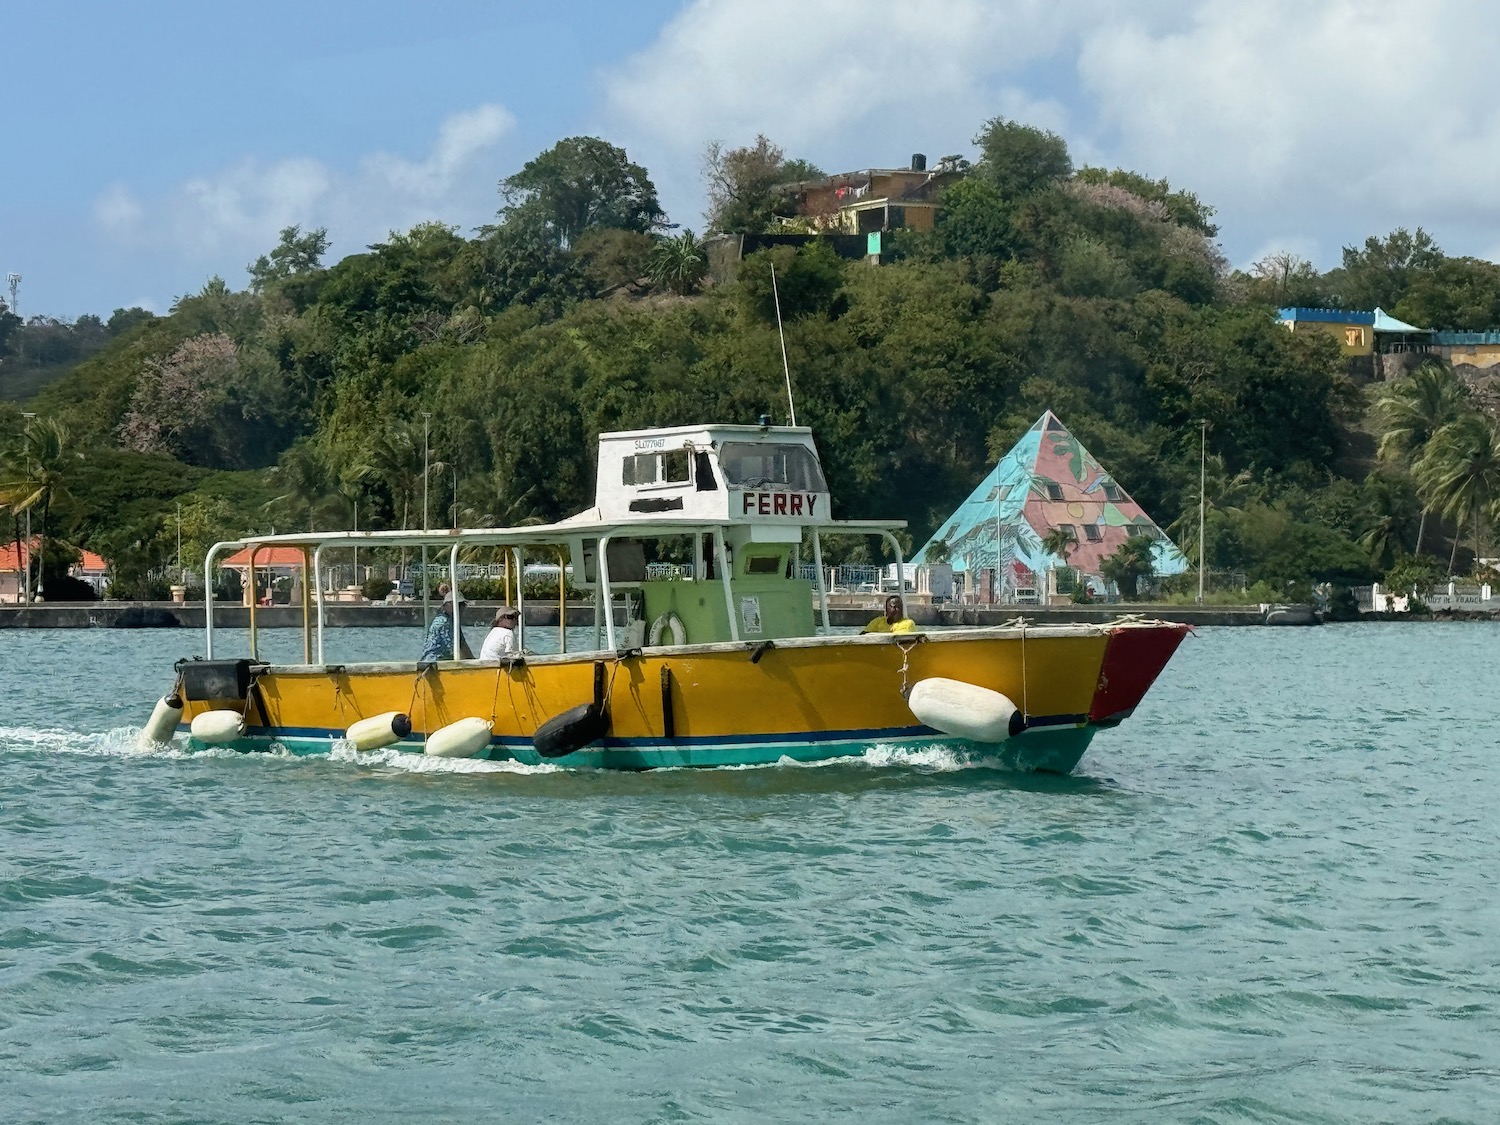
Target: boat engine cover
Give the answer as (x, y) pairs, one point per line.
(204, 680)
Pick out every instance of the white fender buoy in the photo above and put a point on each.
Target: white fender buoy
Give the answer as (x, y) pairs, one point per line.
(379, 730)
(462, 739)
(965, 710)
(163, 722)
(667, 623)
(217, 727)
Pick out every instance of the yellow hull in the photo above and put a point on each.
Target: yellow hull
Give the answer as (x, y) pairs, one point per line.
(705, 704)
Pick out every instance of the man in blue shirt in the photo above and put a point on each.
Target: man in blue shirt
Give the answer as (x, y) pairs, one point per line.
(440, 632)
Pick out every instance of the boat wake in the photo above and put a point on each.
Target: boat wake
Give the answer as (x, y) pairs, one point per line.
(117, 743)
(121, 743)
(392, 759)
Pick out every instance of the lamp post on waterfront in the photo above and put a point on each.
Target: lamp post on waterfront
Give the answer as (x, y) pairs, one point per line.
(1202, 496)
(25, 417)
(426, 598)
(180, 575)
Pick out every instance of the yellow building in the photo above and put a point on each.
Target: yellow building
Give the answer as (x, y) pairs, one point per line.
(874, 200)
(1354, 331)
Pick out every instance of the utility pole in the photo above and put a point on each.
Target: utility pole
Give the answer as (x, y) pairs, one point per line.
(1202, 497)
(13, 280)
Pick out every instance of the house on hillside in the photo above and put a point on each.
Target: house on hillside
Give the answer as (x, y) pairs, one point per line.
(851, 213)
(875, 200)
(1047, 481)
(1363, 337)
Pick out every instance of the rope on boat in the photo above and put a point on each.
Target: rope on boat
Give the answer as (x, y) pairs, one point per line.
(906, 647)
(1025, 711)
(495, 698)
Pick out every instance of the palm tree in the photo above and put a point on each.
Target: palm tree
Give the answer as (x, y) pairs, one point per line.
(1058, 542)
(396, 461)
(12, 491)
(34, 476)
(678, 263)
(1413, 412)
(302, 474)
(1385, 520)
(1458, 474)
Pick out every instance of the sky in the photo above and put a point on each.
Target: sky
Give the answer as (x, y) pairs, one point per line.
(151, 146)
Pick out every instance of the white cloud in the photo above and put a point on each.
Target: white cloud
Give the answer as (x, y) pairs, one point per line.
(842, 82)
(118, 212)
(1316, 121)
(224, 219)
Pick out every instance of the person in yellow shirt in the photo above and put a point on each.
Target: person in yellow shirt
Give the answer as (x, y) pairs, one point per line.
(895, 619)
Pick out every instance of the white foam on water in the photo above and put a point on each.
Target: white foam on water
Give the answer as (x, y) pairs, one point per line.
(118, 743)
(938, 759)
(389, 757)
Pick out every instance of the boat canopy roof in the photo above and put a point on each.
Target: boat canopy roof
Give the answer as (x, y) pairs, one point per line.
(582, 526)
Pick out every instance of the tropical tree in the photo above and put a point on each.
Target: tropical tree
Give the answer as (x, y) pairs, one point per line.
(743, 184)
(678, 263)
(295, 253)
(1459, 474)
(302, 476)
(1131, 561)
(578, 184)
(1057, 543)
(1413, 411)
(35, 476)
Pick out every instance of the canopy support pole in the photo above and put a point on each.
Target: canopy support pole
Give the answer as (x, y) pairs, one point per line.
(822, 581)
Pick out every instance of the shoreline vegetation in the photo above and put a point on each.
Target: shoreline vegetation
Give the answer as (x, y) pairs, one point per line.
(313, 397)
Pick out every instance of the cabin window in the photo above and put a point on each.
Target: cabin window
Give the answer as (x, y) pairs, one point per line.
(640, 469)
(762, 564)
(1092, 532)
(756, 465)
(674, 466)
(703, 473)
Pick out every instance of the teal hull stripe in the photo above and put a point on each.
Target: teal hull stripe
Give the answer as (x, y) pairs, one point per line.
(870, 734)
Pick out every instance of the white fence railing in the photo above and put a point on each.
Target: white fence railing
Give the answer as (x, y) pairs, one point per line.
(1377, 599)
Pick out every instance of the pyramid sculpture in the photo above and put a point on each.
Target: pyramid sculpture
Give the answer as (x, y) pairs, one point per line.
(1047, 480)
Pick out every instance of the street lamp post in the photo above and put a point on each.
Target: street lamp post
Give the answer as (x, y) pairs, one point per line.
(1202, 497)
(426, 596)
(26, 417)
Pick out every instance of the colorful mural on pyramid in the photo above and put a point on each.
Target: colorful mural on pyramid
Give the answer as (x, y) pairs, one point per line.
(1047, 480)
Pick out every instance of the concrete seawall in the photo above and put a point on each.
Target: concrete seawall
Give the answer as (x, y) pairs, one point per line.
(127, 615)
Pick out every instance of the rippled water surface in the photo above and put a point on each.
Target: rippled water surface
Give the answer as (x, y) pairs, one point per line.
(1270, 896)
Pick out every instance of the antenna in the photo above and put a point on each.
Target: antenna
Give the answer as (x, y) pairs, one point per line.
(785, 367)
(14, 281)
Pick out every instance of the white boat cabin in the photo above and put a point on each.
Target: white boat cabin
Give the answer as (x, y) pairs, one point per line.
(726, 505)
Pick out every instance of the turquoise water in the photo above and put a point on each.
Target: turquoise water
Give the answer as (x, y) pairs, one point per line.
(1267, 897)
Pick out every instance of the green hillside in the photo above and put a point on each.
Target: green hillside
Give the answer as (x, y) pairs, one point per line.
(1101, 295)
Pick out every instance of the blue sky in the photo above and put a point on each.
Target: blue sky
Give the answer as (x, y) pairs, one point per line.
(151, 146)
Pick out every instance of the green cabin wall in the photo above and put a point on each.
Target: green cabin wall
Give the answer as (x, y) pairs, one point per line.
(786, 604)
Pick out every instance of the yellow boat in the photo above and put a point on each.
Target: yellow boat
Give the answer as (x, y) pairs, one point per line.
(719, 660)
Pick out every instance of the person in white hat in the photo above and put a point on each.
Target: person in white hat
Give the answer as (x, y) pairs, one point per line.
(502, 638)
(443, 628)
